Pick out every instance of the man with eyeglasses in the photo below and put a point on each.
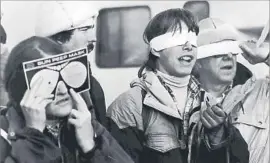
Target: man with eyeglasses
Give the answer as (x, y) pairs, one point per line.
(72, 24)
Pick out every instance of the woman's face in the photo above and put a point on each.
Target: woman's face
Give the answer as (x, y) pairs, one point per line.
(62, 104)
(179, 60)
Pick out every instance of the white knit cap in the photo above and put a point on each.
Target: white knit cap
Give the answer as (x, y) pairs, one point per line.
(56, 16)
(216, 38)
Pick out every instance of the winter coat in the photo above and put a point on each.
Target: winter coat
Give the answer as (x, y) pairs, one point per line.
(150, 131)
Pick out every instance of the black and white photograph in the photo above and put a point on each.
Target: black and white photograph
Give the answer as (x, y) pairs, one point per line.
(179, 81)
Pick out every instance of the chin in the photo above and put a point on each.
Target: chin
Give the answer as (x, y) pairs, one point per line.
(227, 80)
(226, 77)
(183, 73)
(62, 113)
(59, 111)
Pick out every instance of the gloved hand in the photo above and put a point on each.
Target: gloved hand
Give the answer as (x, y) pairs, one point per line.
(254, 54)
(213, 116)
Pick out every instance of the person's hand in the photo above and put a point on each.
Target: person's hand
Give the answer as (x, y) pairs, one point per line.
(80, 118)
(213, 116)
(33, 107)
(254, 54)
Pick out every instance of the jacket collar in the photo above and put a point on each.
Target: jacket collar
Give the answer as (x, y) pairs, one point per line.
(157, 96)
(237, 94)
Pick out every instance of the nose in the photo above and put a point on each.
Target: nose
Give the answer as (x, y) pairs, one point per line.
(228, 56)
(61, 88)
(187, 46)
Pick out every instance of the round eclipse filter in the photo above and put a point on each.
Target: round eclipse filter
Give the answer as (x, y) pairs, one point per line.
(74, 74)
(49, 81)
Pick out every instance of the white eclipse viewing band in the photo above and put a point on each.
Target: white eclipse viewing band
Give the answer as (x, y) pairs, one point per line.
(219, 48)
(171, 39)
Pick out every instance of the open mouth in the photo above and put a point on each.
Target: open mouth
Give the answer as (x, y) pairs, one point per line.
(62, 101)
(228, 67)
(187, 58)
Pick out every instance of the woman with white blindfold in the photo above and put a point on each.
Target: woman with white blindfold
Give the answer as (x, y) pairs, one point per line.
(153, 120)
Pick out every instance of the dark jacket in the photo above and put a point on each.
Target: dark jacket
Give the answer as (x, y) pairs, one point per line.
(98, 99)
(29, 145)
(151, 132)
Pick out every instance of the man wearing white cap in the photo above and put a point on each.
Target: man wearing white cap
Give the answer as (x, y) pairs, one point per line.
(72, 24)
(247, 104)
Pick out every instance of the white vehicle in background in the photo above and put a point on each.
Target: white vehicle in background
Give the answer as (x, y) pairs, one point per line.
(120, 49)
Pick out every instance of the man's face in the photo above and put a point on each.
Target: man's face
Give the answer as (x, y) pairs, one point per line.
(62, 104)
(220, 68)
(179, 60)
(82, 37)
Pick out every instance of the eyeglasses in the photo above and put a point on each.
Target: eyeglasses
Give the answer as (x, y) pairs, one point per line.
(85, 28)
(90, 24)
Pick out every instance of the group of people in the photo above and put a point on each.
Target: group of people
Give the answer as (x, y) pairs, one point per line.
(191, 103)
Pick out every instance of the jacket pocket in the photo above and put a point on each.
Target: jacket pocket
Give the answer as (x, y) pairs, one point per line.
(254, 129)
(257, 121)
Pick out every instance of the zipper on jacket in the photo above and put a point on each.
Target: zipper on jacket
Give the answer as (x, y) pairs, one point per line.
(59, 142)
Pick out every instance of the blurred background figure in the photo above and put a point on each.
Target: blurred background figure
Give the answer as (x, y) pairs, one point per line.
(73, 25)
(3, 59)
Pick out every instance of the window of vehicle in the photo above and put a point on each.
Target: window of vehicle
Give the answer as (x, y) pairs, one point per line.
(120, 36)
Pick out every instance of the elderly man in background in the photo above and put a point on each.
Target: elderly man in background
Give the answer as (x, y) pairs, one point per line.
(247, 104)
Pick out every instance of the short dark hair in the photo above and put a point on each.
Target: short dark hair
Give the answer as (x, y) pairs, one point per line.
(168, 20)
(29, 49)
(63, 36)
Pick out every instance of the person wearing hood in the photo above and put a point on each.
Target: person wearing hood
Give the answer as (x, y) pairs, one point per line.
(50, 127)
(156, 120)
(226, 82)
